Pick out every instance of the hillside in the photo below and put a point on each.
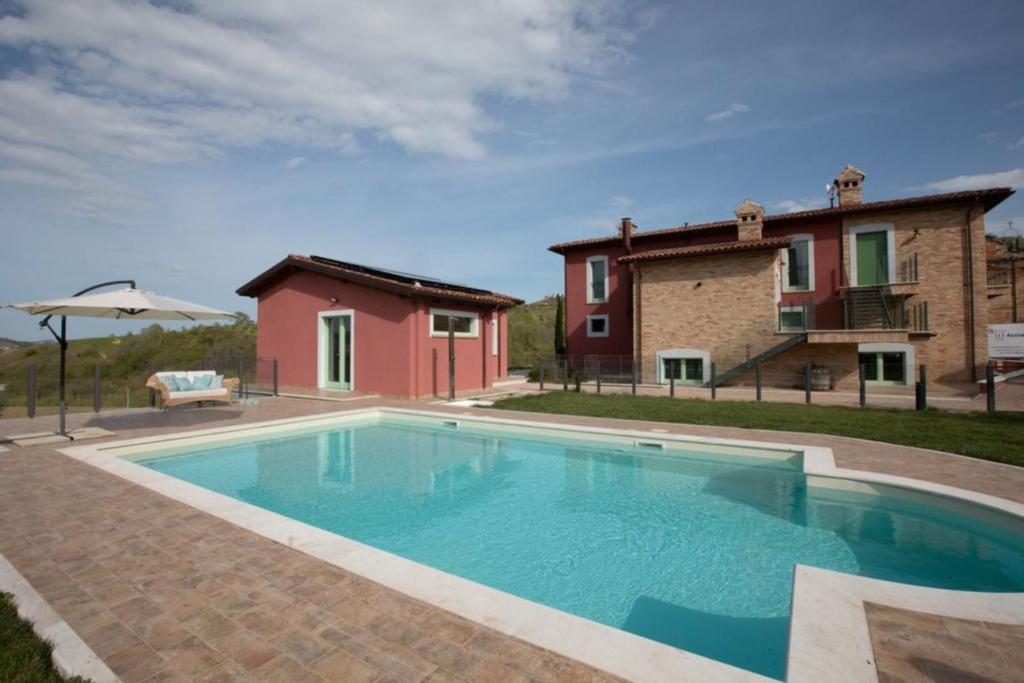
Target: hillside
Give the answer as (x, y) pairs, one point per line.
(531, 332)
(126, 361)
(7, 344)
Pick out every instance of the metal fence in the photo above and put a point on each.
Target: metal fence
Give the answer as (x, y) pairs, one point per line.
(33, 389)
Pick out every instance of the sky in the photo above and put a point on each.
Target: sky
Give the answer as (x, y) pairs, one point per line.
(192, 145)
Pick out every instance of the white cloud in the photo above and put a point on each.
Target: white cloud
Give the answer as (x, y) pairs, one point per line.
(804, 204)
(1018, 145)
(727, 113)
(1013, 178)
(620, 202)
(295, 162)
(134, 82)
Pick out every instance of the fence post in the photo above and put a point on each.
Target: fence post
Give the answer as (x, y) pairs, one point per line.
(807, 383)
(599, 364)
(990, 389)
(565, 374)
(275, 377)
(633, 368)
(96, 397)
(757, 378)
(713, 382)
(241, 380)
(922, 389)
(542, 374)
(31, 388)
(152, 393)
(451, 359)
(672, 381)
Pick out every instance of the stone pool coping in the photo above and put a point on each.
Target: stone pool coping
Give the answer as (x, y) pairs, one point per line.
(828, 633)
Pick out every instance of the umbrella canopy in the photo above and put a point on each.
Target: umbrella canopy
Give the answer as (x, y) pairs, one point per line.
(122, 304)
(128, 303)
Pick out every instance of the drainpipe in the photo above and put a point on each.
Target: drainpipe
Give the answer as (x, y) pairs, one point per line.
(970, 289)
(638, 346)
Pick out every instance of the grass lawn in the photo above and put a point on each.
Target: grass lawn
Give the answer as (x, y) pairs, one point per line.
(998, 437)
(24, 658)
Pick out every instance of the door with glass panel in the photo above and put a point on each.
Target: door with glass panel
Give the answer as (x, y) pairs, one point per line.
(872, 258)
(336, 351)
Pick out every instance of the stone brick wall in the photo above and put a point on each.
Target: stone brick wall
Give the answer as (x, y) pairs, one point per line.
(941, 244)
(724, 305)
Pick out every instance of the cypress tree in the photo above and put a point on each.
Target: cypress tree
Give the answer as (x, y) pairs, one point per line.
(559, 326)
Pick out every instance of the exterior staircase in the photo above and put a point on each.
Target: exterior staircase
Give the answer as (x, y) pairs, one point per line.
(868, 308)
(785, 345)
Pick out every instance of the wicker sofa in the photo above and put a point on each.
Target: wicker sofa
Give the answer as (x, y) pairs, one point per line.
(173, 396)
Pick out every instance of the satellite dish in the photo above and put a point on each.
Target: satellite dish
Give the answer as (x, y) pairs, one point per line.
(828, 188)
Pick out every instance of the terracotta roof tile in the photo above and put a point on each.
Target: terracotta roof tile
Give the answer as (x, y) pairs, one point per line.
(991, 197)
(707, 249)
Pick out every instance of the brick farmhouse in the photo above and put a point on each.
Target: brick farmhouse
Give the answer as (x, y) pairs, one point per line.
(889, 285)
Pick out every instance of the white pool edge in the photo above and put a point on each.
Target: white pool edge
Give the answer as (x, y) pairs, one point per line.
(829, 638)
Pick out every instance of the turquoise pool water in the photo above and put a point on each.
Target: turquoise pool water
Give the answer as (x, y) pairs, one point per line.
(692, 549)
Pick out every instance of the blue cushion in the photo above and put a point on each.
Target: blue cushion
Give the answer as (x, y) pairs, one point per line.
(184, 384)
(217, 382)
(202, 382)
(170, 381)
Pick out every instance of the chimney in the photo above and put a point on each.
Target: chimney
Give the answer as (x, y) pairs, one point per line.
(626, 230)
(749, 220)
(850, 183)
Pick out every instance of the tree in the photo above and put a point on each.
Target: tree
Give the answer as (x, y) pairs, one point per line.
(559, 326)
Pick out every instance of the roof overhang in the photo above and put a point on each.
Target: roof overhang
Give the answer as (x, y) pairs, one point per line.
(294, 263)
(989, 198)
(717, 249)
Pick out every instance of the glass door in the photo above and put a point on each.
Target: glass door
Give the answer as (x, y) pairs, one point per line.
(336, 353)
(872, 258)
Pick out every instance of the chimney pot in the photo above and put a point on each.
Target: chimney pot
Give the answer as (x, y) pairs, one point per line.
(849, 185)
(749, 221)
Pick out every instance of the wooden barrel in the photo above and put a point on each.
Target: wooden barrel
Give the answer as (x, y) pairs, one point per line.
(821, 379)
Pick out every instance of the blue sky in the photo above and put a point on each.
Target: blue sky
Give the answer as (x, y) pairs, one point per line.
(191, 148)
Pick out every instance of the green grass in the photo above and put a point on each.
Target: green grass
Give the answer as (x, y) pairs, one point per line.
(24, 657)
(998, 437)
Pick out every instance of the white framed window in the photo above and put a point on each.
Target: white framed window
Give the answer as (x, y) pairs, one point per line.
(597, 326)
(464, 324)
(494, 336)
(798, 264)
(887, 363)
(688, 366)
(597, 279)
(792, 319)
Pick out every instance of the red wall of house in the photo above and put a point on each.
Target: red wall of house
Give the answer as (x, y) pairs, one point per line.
(827, 265)
(395, 355)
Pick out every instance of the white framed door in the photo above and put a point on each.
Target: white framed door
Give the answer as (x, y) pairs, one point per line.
(336, 350)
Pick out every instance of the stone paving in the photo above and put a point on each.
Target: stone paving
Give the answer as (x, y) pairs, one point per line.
(163, 592)
(911, 647)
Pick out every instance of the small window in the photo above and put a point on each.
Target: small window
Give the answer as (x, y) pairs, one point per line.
(792, 319)
(597, 326)
(462, 324)
(798, 264)
(689, 370)
(597, 279)
(888, 367)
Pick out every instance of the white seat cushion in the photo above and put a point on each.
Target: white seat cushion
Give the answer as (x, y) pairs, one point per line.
(197, 394)
(200, 373)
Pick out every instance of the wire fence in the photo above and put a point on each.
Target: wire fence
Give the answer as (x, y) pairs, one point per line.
(34, 389)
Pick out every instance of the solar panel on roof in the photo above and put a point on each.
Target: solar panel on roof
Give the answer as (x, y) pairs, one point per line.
(409, 278)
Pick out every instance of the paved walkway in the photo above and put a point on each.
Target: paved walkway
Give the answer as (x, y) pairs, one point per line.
(163, 592)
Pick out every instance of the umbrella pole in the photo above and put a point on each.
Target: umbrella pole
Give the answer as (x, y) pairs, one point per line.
(63, 367)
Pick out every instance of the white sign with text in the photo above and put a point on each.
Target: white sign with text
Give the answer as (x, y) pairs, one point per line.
(1006, 341)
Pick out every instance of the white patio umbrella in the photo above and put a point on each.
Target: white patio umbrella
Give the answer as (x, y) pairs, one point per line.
(122, 304)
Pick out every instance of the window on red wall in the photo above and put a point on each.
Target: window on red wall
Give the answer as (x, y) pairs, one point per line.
(597, 279)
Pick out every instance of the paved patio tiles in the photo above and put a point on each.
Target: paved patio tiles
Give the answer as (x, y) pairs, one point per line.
(165, 593)
(912, 647)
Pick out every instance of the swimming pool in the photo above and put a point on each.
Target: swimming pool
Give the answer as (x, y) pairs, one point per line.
(690, 545)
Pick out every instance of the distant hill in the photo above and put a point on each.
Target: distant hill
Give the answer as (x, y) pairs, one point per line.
(531, 332)
(8, 344)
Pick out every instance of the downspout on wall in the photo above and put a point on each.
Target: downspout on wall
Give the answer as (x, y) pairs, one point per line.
(970, 295)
